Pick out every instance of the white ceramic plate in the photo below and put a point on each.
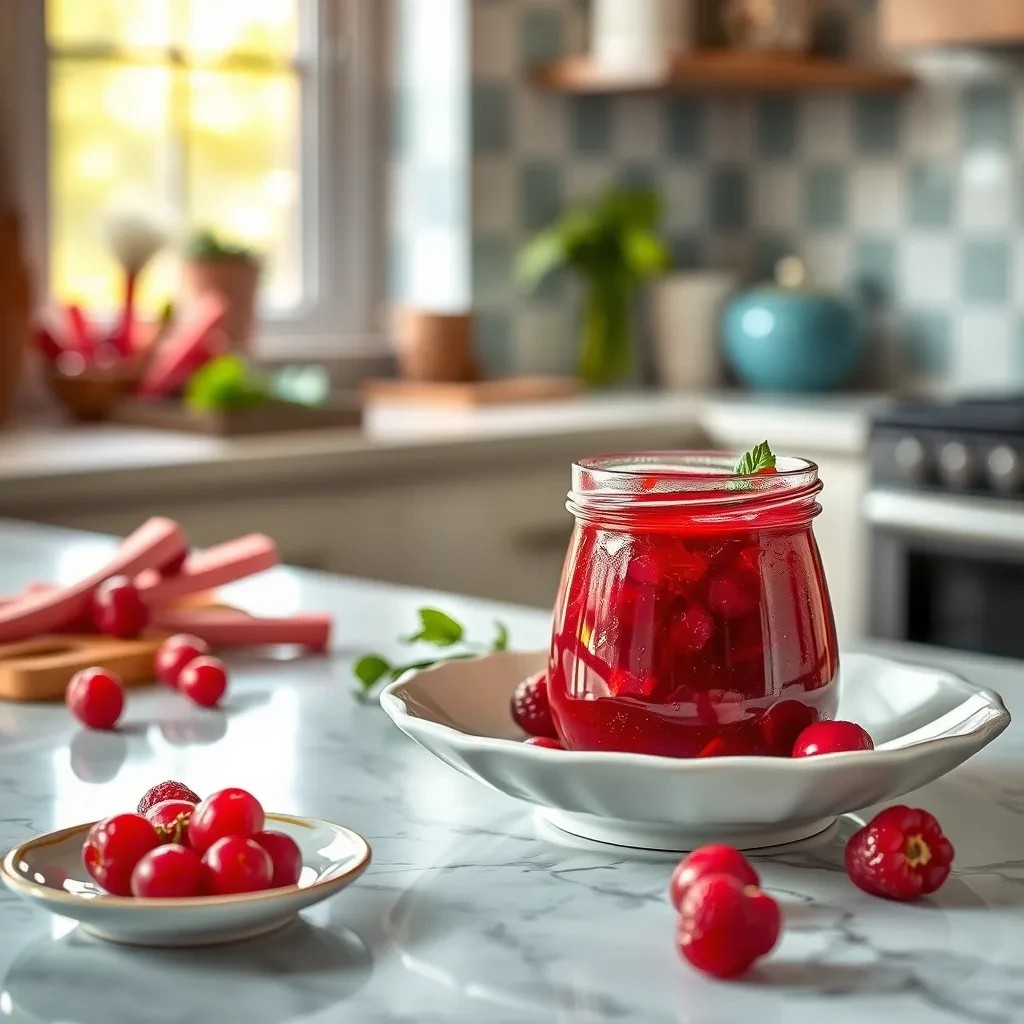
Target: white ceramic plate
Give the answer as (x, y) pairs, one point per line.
(48, 871)
(924, 723)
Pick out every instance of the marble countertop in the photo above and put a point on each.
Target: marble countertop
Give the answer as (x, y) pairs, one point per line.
(43, 460)
(468, 914)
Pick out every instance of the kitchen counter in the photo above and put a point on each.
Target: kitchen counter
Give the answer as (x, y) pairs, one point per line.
(45, 462)
(467, 915)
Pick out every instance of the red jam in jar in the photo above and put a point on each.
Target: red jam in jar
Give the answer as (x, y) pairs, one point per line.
(693, 618)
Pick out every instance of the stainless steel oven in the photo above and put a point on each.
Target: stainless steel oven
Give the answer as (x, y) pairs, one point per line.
(945, 513)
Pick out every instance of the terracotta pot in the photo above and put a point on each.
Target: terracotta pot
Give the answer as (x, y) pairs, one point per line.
(435, 346)
(236, 281)
(14, 312)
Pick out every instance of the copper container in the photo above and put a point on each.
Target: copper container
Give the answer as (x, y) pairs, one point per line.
(14, 312)
(435, 346)
(236, 280)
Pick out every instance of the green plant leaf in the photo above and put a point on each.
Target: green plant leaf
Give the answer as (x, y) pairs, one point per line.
(758, 458)
(645, 253)
(399, 670)
(226, 383)
(501, 639)
(370, 669)
(437, 628)
(541, 255)
(632, 207)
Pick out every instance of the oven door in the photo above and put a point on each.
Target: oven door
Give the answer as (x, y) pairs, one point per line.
(947, 571)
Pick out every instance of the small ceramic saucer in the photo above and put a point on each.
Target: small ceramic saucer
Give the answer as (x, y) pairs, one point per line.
(48, 872)
(924, 722)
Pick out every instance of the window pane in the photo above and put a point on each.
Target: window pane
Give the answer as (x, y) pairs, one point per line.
(108, 142)
(243, 169)
(267, 27)
(129, 24)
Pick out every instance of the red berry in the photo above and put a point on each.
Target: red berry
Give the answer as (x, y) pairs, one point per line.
(724, 926)
(203, 681)
(691, 629)
(900, 854)
(95, 697)
(716, 859)
(117, 608)
(114, 846)
(168, 872)
(530, 707)
(236, 864)
(782, 723)
(169, 790)
(228, 812)
(730, 598)
(623, 683)
(175, 653)
(831, 738)
(170, 818)
(285, 856)
(543, 741)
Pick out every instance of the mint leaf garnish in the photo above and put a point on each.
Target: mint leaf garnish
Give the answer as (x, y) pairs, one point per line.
(437, 628)
(759, 457)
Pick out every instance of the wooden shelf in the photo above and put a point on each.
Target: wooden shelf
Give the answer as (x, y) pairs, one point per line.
(726, 71)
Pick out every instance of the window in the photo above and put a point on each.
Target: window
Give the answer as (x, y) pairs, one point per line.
(252, 118)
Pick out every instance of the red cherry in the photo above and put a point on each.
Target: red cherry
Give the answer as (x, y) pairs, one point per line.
(170, 818)
(114, 846)
(543, 741)
(168, 872)
(117, 608)
(95, 697)
(782, 723)
(691, 629)
(715, 859)
(228, 812)
(175, 653)
(285, 857)
(900, 854)
(204, 681)
(236, 864)
(169, 790)
(530, 707)
(724, 925)
(831, 738)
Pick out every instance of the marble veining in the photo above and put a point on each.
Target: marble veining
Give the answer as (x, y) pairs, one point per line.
(468, 913)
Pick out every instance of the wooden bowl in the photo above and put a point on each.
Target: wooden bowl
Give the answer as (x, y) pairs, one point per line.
(91, 394)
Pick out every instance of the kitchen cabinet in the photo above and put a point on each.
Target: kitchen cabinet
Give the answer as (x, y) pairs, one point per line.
(951, 22)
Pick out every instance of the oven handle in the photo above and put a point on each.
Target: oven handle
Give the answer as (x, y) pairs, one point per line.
(999, 524)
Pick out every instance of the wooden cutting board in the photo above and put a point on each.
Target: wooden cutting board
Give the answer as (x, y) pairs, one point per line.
(40, 668)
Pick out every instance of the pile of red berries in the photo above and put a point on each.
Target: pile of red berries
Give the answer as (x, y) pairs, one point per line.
(788, 726)
(727, 923)
(178, 845)
(95, 696)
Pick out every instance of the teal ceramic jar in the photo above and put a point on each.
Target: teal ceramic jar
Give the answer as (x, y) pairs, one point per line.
(786, 337)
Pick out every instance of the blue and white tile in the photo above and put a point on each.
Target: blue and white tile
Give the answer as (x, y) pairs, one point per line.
(729, 129)
(876, 196)
(928, 270)
(545, 339)
(587, 179)
(541, 124)
(829, 257)
(984, 350)
(682, 189)
(988, 190)
(638, 129)
(931, 128)
(495, 24)
(494, 194)
(778, 194)
(827, 128)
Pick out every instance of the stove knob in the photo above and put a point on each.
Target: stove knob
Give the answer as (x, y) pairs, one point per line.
(911, 459)
(1005, 469)
(956, 465)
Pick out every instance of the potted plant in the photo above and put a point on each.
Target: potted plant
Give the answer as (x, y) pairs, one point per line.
(612, 244)
(214, 265)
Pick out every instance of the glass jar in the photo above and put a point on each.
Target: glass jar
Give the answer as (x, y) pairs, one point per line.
(693, 619)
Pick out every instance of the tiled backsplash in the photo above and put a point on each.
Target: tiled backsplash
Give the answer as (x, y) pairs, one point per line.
(914, 201)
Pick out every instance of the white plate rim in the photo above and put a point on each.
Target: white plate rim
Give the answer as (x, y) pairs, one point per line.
(395, 707)
(36, 890)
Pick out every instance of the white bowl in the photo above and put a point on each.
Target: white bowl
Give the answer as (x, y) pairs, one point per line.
(48, 871)
(924, 722)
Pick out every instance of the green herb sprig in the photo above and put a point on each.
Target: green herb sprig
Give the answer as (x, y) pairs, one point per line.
(759, 458)
(437, 629)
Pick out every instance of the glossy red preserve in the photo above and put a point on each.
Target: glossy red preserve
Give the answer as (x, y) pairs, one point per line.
(693, 618)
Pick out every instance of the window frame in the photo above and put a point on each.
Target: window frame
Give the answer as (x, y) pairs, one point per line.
(342, 173)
